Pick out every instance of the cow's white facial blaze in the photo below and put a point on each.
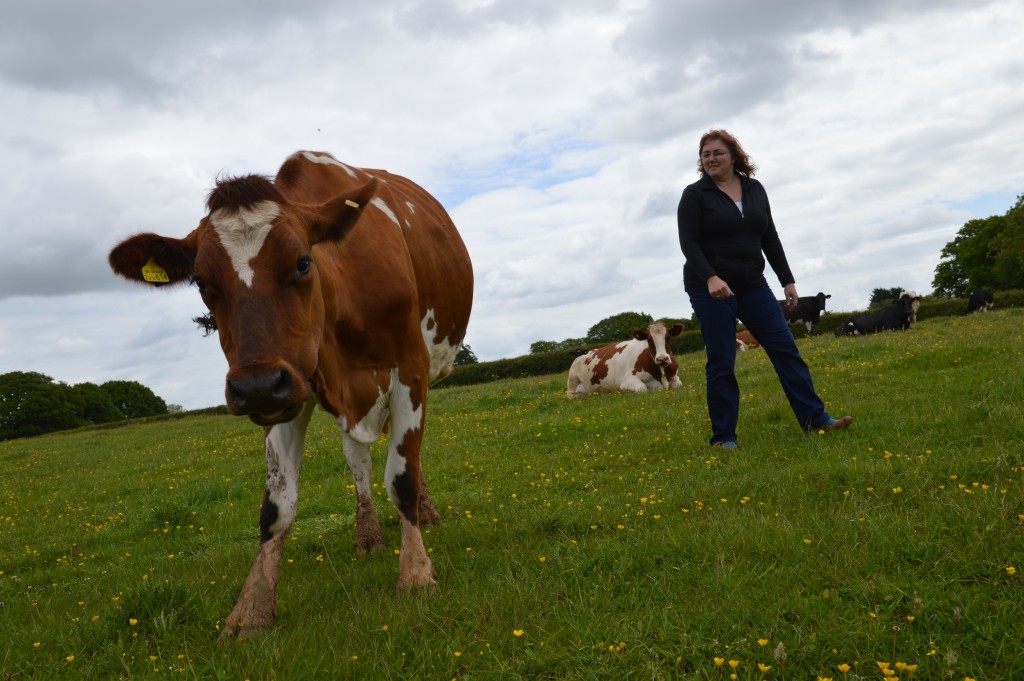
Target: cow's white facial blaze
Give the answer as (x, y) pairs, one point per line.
(659, 335)
(243, 232)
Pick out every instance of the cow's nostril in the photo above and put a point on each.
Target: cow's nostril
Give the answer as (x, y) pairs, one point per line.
(282, 386)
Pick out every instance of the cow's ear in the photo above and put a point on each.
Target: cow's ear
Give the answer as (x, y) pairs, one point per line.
(153, 259)
(640, 334)
(333, 220)
(676, 330)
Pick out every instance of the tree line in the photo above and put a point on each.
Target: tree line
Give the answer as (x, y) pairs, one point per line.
(986, 253)
(32, 403)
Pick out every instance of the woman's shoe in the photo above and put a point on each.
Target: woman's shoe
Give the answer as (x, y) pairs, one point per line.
(836, 424)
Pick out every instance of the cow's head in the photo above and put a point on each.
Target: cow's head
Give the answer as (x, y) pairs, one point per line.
(659, 341)
(252, 260)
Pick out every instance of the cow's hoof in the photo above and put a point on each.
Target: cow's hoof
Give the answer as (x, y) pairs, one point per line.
(241, 632)
(417, 585)
(370, 541)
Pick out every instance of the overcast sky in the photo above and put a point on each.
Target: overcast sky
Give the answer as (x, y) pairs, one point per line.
(559, 135)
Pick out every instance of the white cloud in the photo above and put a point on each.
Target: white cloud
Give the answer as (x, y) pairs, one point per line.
(559, 135)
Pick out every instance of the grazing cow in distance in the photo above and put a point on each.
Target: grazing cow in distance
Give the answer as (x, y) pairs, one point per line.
(576, 352)
(638, 365)
(915, 305)
(335, 286)
(745, 340)
(893, 317)
(808, 310)
(981, 300)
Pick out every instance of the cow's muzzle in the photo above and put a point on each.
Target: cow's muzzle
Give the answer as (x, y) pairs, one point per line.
(267, 395)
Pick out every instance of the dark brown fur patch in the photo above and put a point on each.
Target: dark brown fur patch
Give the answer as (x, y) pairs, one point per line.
(601, 356)
(232, 193)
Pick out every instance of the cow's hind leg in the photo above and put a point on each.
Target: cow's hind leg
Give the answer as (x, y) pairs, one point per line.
(369, 536)
(429, 517)
(405, 480)
(256, 606)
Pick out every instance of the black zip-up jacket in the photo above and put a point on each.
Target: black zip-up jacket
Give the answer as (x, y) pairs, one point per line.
(717, 239)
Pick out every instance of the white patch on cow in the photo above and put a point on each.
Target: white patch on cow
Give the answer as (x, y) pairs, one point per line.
(404, 419)
(358, 456)
(327, 159)
(370, 428)
(242, 233)
(661, 354)
(442, 353)
(384, 208)
(284, 445)
(410, 206)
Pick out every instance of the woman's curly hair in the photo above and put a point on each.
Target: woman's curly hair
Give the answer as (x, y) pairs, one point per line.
(741, 163)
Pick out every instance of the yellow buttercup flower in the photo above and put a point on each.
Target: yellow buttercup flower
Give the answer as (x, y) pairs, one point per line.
(843, 668)
(763, 667)
(719, 661)
(517, 632)
(762, 642)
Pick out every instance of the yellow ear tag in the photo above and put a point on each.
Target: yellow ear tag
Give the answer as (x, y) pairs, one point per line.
(154, 273)
(350, 202)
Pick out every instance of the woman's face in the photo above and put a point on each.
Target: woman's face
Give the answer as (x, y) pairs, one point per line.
(716, 160)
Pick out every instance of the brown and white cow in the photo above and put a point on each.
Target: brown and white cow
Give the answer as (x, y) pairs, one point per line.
(745, 340)
(638, 365)
(330, 285)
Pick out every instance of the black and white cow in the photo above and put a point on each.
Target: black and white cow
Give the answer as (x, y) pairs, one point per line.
(981, 300)
(808, 310)
(894, 317)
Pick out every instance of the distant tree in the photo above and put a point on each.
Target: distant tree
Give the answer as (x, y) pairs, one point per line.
(543, 346)
(134, 399)
(32, 404)
(986, 253)
(465, 356)
(93, 404)
(1009, 259)
(884, 296)
(175, 409)
(618, 327)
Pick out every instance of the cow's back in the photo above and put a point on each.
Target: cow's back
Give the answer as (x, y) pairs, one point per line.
(403, 263)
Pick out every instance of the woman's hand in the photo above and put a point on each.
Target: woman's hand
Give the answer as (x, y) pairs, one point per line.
(718, 289)
(791, 296)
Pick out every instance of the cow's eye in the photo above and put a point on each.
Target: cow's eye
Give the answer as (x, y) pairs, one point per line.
(304, 266)
(199, 284)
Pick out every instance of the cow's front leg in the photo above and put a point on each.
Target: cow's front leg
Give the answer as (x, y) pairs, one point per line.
(256, 606)
(404, 481)
(369, 536)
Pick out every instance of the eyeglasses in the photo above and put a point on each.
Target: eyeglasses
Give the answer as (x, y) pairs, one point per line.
(717, 153)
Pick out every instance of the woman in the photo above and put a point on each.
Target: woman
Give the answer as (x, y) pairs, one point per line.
(725, 225)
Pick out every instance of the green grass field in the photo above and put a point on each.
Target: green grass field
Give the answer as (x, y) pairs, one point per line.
(591, 539)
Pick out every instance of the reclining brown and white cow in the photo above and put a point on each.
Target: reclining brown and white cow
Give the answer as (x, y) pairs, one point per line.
(644, 363)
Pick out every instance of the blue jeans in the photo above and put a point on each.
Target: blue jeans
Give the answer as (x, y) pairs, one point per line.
(760, 313)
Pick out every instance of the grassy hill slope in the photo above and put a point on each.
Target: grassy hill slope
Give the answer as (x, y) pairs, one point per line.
(595, 538)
